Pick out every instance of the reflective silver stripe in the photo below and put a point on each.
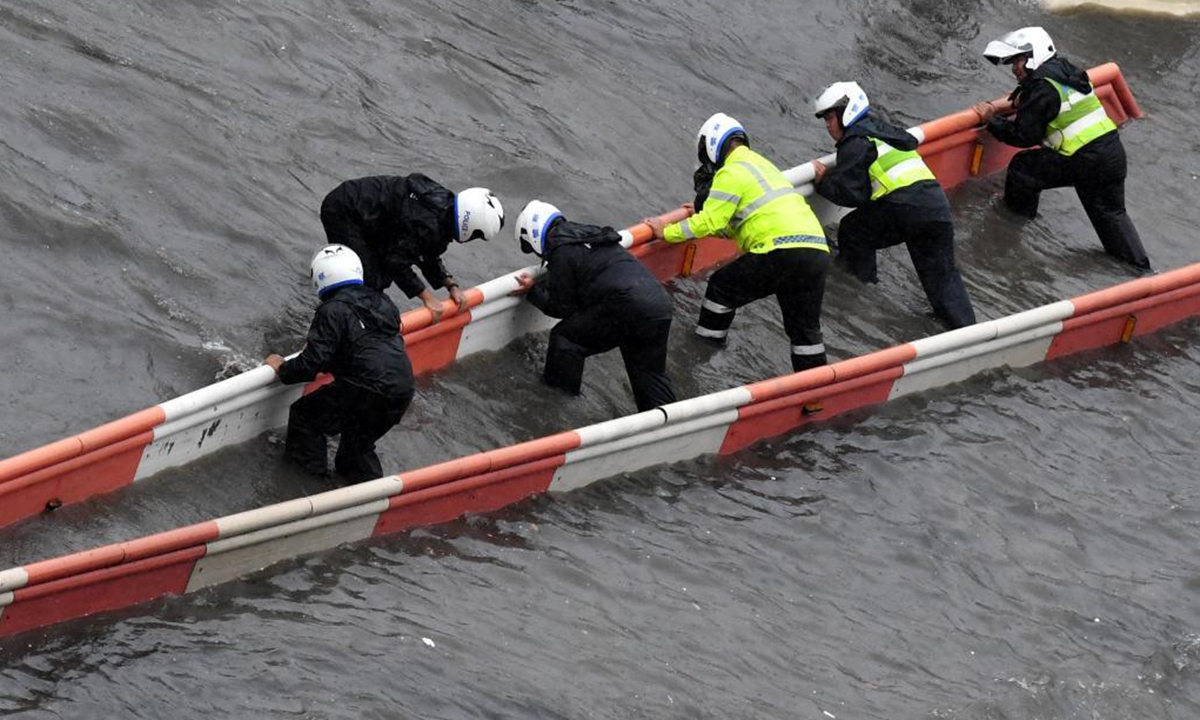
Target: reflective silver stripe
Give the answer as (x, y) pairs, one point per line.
(705, 332)
(740, 216)
(1096, 116)
(716, 307)
(808, 349)
(762, 181)
(876, 186)
(895, 171)
(727, 197)
(686, 228)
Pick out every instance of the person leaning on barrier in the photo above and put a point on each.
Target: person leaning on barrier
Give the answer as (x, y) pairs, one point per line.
(355, 335)
(896, 200)
(394, 222)
(1082, 148)
(606, 298)
(785, 253)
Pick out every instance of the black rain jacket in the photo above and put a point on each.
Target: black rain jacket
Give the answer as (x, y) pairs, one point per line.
(1037, 103)
(587, 266)
(355, 335)
(849, 183)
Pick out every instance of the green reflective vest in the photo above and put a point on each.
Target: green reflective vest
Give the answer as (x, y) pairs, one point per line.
(1080, 120)
(894, 169)
(754, 203)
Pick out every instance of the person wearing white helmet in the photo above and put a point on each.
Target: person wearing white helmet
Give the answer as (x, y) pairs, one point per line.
(395, 222)
(895, 197)
(785, 253)
(355, 336)
(1081, 146)
(606, 299)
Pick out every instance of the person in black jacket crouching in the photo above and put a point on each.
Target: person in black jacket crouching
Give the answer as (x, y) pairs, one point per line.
(1081, 146)
(355, 336)
(606, 298)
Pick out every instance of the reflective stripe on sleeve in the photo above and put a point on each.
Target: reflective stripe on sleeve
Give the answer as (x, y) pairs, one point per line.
(717, 308)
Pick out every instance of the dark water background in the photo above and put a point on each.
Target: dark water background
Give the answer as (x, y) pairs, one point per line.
(1020, 545)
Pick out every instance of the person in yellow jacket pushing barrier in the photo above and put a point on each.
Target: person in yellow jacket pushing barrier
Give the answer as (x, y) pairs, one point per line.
(785, 253)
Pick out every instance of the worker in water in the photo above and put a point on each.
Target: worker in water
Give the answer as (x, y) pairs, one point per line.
(895, 197)
(355, 336)
(785, 253)
(606, 298)
(1081, 147)
(395, 222)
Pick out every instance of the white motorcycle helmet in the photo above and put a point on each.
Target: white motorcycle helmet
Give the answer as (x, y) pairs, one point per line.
(478, 213)
(335, 266)
(532, 224)
(1033, 41)
(846, 95)
(714, 132)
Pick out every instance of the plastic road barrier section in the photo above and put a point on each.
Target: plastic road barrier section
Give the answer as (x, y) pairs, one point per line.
(235, 410)
(195, 557)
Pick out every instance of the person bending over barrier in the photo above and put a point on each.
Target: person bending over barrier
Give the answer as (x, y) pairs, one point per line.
(355, 335)
(1082, 148)
(785, 253)
(896, 200)
(606, 298)
(396, 222)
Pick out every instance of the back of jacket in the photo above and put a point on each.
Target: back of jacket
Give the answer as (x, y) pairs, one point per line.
(407, 220)
(849, 182)
(587, 266)
(355, 335)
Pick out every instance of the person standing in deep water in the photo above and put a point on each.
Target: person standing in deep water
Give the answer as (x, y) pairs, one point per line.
(1081, 146)
(606, 298)
(896, 199)
(355, 336)
(393, 222)
(784, 250)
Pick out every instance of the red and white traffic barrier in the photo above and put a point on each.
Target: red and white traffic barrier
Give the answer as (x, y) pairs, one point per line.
(209, 553)
(240, 408)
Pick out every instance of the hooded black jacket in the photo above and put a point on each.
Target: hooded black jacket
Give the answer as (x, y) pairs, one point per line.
(587, 266)
(1038, 103)
(355, 335)
(406, 220)
(849, 183)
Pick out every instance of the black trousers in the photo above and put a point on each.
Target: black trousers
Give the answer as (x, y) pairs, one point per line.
(930, 245)
(598, 329)
(796, 278)
(342, 228)
(1097, 172)
(359, 416)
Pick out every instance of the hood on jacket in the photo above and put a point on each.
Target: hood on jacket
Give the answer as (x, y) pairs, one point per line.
(870, 125)
(374, 309)
(564, 232)
(1058, 69)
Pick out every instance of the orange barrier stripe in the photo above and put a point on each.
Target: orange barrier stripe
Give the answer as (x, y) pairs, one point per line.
(1173, 279)
(126, 427)
(74, 564)
(39, 458)
(949, 142)
(446, 471)
(533, 450)
(764, 390)
(888, 375)
(170, 541)
(1108, 297)
(872, 362)
(446, 325)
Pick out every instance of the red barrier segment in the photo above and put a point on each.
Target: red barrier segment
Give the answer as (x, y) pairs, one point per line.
(873, 362)
(484, 492)
(109, 588)
(1107, 326)
(436, 346)
(784, 414)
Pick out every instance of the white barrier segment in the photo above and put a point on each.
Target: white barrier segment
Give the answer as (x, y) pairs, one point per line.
(1014, 350)
(621, 427)
(1022, 321)
(236, 421)
(501, 287)
(358, 494)
(626, 238)
(195, 401)
(230, 559)
(707, 404)
(13, 579)
(918, 133)
(496, 330)
(954, 339)
(672, 443)
(264, 517)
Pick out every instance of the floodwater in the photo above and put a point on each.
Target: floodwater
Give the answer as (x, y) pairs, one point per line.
(1019, 545)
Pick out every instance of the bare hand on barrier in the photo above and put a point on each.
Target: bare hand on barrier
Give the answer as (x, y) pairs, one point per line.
(459, 297)
(433, 305)
(985, 110)
(524, 283)
(656, 226)
(275, 361)
(689, 207)
(819, 171)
